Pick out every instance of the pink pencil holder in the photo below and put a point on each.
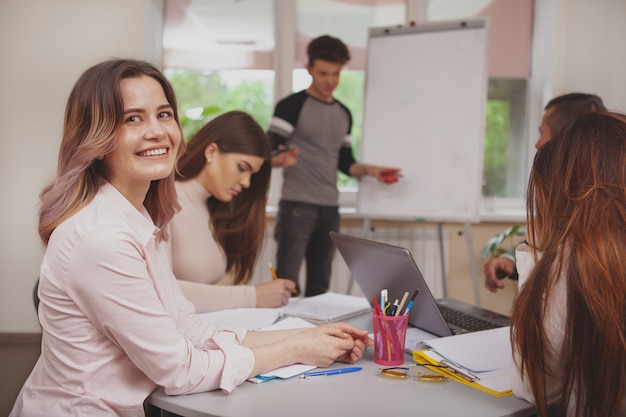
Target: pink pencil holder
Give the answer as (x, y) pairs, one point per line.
(389, 339)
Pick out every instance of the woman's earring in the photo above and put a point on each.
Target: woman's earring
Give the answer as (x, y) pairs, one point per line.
(209, 160)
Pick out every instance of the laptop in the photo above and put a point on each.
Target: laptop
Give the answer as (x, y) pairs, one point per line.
(376, 266)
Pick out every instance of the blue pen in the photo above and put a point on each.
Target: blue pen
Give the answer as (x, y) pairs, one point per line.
(330, 372)
(408, 308)
(410, 304)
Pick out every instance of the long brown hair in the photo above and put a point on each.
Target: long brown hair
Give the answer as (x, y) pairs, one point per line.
(93, 116)
(577, 220)
(238, 226)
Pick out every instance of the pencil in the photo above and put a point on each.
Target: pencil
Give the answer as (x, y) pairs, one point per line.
(404, 297)
(273, 271)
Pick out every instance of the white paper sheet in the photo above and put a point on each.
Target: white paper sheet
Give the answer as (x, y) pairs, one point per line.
(250, 318)
(415, 338)
(285, 371)
(487, 350)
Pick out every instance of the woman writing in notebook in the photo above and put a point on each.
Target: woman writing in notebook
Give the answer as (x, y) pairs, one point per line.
(115, 324)
(569, 320)
(222, 183)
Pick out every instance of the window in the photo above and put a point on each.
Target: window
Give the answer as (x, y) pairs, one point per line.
(506, 135)
(222, 55)
(218, 56)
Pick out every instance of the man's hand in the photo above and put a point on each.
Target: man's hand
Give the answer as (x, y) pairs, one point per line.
(497, 269)
(385, 175)
(286, 158)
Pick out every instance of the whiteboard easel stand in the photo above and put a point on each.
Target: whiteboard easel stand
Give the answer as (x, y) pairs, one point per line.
(470, 252)
(409, 66)
(367, 226)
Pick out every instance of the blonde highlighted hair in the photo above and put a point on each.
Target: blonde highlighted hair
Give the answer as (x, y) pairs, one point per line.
(93, 117)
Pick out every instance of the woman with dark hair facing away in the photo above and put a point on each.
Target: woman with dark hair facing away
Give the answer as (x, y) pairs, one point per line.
(568, 329)
(222, 184)
(115, 324)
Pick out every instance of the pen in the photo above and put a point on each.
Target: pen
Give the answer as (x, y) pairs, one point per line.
(384, 299)
(465, 374)
(411, 301)
(385, 309)
(330, 372)
(393, 308)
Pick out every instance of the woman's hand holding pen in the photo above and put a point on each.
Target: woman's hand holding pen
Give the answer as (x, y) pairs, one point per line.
(275, 293)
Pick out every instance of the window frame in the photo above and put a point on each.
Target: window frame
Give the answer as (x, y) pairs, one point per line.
(539, 90)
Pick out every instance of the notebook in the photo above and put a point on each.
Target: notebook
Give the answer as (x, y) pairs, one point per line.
(376, 266)
(327, 308)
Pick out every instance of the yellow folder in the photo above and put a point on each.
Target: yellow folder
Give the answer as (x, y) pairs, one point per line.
(421, 357)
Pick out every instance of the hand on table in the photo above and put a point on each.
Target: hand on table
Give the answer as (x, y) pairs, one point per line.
(325, 344)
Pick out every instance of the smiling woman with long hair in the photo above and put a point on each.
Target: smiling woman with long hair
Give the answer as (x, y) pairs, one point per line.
(115, 324)
(569, 320)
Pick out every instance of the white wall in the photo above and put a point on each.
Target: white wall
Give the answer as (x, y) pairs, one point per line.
(45, 45)
(591, 52)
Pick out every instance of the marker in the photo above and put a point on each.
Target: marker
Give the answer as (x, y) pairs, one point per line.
(411, 301)
(376, 305)
(393, 309)
(281, 150)
(330, 372)
(389, 178)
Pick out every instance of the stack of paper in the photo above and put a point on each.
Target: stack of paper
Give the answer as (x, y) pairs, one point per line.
(328, 307)
(484, 356)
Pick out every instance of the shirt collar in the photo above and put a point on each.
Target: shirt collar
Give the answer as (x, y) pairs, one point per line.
(139, 219)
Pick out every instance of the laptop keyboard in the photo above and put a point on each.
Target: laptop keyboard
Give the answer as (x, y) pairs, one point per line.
(464, 321)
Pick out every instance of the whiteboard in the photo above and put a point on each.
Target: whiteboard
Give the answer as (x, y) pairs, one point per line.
(424, 112)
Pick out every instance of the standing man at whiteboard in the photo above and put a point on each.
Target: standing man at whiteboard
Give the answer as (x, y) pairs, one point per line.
(310, 137)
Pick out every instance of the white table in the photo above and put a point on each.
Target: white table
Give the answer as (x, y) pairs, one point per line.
(362, 393)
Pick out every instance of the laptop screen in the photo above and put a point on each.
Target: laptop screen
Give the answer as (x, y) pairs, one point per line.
(376, 266)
